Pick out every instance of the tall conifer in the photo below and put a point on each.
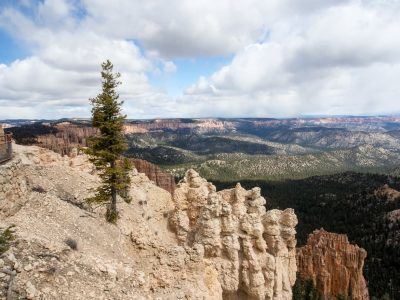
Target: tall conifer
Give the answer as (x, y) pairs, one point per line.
(105, 149)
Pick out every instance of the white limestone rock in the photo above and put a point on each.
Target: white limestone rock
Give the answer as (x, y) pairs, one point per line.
(253, 250)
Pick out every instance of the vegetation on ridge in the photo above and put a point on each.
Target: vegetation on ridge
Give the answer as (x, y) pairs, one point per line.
(6, 237)
(105, 150)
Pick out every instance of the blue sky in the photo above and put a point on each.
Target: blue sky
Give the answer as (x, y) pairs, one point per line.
(184, 58)
(188, 70)
(10, 49)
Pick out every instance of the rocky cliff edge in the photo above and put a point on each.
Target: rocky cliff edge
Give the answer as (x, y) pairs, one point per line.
(64, 249)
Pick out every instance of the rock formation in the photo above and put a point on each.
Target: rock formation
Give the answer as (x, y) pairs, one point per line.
(197, 125)
(43, 195)
(386, 192)
(3, 149)
(162, 179)
(67, 137)
(251, 249)
(334, 265)
(229, 246)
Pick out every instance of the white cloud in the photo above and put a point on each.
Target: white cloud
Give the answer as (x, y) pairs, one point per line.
(63, 70)
(343, 60)
(189, 28)
(169, 67)
(289, 57)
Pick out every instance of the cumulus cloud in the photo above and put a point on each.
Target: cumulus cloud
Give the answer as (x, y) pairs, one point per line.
(288, 57)
(343, 59)
(63, 70)
(182, 28)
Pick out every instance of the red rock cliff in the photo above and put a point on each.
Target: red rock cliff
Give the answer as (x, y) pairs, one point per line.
(67, 137)
(334, 265)
(162, 179)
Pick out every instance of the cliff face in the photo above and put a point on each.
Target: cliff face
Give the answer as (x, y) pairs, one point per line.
(203, 125)
(162, 179)
(67, 137)
(334, 265)
(251, 250)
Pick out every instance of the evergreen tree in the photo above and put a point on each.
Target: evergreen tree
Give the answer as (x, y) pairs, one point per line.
(105, 149)
(298, 289)
(305, 290)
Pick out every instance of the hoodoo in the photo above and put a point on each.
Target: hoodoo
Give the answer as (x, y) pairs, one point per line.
(252, 250)
(334, 265)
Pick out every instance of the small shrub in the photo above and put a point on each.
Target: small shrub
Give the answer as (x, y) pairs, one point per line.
(127, 199)
(39, 189)
(6, 237)
(165, 214)
(51, 270)
(73, 244)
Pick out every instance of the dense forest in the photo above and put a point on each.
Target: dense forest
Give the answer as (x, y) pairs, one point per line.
(346, 203)
(27, 134)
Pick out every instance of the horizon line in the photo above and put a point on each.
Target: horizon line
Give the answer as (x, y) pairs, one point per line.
(216, 118)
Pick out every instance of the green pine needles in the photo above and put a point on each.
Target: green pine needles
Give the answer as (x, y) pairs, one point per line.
(6, 237)
(105, 149)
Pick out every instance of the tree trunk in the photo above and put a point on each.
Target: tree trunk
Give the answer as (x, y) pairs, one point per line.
(113, 204)
(113, 200)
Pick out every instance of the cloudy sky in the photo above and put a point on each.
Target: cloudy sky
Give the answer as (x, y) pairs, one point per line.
(201, 58)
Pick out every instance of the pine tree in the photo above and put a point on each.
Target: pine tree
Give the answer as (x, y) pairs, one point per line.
(105, 149)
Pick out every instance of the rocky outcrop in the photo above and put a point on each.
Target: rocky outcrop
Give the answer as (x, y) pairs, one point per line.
(386, 192)
(224, 245)
(252, 250)
(393, 216)
(67, 137)
(43, 194)
(334, 265)
(162, 179)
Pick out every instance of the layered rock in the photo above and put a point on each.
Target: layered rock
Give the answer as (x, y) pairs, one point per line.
(162, 179)
(197, 125)
(67, 137)
(334, 265)
(251, 249)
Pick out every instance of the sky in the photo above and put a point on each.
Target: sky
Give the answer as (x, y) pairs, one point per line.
(201, 58)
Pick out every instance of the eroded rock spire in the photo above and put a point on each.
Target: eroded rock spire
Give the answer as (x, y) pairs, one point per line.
(252, 250)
